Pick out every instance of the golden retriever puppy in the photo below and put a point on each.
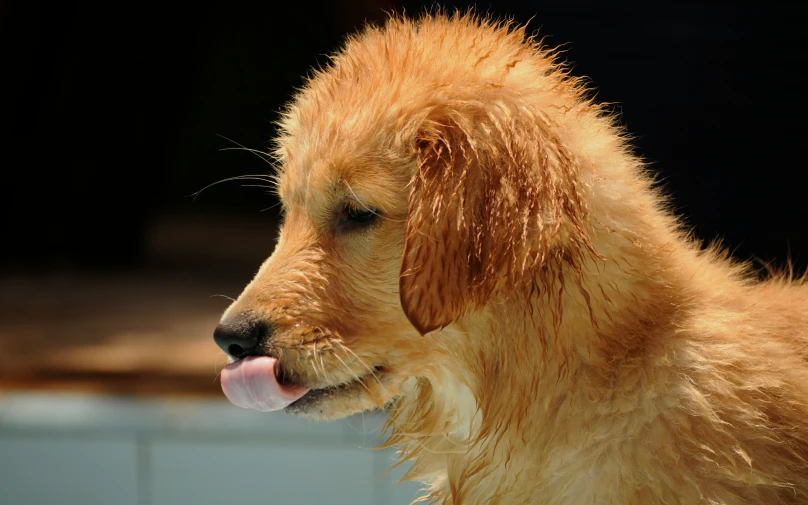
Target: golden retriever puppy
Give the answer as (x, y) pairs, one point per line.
(469, 242)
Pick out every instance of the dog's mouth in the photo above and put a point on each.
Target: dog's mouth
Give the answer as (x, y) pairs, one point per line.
(253, 383)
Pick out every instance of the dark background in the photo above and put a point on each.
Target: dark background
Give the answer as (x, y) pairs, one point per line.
(111, 114)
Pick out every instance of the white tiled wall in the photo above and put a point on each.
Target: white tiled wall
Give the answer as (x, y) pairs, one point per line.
(45, 469)
(85, 450)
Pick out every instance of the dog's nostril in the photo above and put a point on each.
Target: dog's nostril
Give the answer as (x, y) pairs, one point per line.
(240, 337)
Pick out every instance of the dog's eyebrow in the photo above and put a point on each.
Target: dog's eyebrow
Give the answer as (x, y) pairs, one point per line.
(354, 197)
(362, 203)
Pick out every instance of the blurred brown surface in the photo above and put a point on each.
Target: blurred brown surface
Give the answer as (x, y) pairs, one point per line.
(124, 333)
(146, 332)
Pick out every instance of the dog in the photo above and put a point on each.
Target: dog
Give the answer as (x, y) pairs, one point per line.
(469, 243)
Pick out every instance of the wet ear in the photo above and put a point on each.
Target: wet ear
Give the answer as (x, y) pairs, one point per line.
(494, 196)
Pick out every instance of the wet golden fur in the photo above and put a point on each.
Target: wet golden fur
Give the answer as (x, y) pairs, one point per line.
(537, 323)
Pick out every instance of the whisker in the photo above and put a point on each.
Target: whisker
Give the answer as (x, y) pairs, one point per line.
(271, 207)
(216, 365)
(346, 349)
(314, 366)
(252, 177)
(356, 377)
(256, 186)
(368, 208)
(270, 179)
(370, 370)
(319, 355)
(322, 365)
(262, 155)
(223, 296)
(354, 429)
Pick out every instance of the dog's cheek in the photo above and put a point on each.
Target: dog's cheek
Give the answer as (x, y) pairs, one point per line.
(367, 268)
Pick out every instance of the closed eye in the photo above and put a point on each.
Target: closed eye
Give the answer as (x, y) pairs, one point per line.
(361, 215)
(355, 216)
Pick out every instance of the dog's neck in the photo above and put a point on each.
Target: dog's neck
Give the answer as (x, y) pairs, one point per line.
(534, 358)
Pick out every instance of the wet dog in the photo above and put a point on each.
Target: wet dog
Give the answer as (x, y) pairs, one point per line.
(469, 243)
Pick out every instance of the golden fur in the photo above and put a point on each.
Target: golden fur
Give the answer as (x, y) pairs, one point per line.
(537, 323)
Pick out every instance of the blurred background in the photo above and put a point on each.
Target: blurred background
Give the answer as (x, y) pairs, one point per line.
(113, 276)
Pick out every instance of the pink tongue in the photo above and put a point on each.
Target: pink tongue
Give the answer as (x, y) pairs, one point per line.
(251, 383)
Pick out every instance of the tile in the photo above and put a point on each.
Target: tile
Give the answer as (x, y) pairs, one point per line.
(221, 418)
(93, 414)
(208, 473)
(67, 471)
(76, 412)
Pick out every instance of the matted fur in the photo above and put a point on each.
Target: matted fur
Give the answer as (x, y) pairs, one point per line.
(538, 325)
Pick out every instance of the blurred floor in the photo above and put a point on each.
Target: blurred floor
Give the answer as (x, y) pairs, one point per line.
(142, 332)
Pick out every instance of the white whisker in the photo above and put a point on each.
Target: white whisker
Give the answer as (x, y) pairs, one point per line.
(266, 157)
(253, 177)
(218, 373)
(368, 208)
(314, 366)
(370, 370)
(356, 377)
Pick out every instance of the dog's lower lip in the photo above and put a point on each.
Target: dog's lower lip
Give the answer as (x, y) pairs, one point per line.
(314, 392)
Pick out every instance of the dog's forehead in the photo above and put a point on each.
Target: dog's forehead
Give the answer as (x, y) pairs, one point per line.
(319, 183)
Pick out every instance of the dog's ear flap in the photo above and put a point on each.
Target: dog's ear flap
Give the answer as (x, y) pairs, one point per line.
(494, 198)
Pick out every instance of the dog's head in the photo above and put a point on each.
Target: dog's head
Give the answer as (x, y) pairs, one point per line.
(419, 182)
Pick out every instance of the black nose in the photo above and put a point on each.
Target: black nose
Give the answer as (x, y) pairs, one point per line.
(241, 336)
